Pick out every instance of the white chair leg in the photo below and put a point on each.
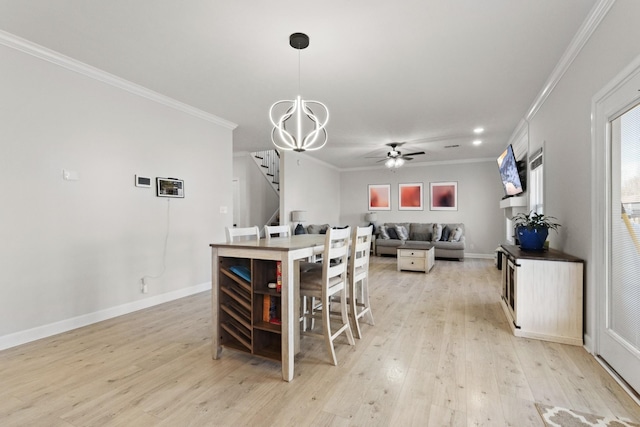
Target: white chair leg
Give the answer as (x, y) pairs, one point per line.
(353, 308)
(326, 325)
(345, 317)
(365, 300)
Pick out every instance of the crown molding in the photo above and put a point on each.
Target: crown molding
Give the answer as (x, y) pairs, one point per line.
(14, 42)
(588, 27)
(420, 164)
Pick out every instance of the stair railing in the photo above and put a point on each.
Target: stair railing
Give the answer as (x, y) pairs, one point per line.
(269, 163)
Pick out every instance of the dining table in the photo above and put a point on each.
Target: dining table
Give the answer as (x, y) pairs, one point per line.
(289, 251)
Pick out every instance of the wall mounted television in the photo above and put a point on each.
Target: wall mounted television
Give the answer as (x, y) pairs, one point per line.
(512, 173)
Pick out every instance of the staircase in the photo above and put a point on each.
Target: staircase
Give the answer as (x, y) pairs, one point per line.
(269, 163)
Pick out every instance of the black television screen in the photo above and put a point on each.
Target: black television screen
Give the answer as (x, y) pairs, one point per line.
(509, 173)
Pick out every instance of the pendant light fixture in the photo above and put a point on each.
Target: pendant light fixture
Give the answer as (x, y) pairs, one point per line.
(296, 126)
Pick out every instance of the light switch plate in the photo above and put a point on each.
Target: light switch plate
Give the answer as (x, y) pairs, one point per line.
(68, 175)
(143, 181)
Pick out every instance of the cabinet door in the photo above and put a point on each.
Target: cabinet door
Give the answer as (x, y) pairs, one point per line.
(511, 285)
(549, 299)
(505, 293)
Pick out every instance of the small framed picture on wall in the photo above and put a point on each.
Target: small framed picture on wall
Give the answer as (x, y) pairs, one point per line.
(444, 196)
(379, 197)
(169, 187)
(410, 197)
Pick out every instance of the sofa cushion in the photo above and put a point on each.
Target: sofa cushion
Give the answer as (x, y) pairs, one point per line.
(384, 235)
(403, 233)
(448, 245)
(446, 232)
(317, 228)
(420, 237)
(456, 235)
(417, 231)
(390, 243)
(392, 233)
(437, 232)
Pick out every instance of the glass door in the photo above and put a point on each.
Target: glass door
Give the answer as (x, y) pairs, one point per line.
(620, 336)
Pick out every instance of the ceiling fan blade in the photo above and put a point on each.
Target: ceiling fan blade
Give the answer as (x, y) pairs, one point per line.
(407, 158)
(415, 154)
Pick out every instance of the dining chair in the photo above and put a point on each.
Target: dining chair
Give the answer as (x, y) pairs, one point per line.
(248, 233)
(325, 283)
(280, 230)
(358, 274)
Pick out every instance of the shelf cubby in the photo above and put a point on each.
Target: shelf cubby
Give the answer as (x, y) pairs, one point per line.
(241, 307)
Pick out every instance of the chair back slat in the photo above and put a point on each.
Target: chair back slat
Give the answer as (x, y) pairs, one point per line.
(360, 249)
(336, 253)
(246, 233)
(280, 230)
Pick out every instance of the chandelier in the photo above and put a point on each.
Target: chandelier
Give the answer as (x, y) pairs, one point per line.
(306, 131)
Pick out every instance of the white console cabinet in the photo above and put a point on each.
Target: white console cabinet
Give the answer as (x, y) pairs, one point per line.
(542, 294)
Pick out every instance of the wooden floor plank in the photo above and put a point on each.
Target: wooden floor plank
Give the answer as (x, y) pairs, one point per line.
(440, 354)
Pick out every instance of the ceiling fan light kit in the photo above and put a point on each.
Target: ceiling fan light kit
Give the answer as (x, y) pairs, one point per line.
(308, 128)
(395, 158)
(394, 162)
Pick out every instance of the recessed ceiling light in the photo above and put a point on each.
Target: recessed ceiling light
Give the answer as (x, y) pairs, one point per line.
(477, 142)
(478, 131)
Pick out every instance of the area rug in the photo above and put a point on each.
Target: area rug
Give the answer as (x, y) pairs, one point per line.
(555, 416)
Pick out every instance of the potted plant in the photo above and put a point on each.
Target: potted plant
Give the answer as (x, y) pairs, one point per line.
(533, 229)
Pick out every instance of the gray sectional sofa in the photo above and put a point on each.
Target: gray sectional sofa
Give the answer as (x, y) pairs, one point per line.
(447, 247)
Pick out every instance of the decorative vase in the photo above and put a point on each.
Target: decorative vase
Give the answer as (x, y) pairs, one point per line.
(532, 239)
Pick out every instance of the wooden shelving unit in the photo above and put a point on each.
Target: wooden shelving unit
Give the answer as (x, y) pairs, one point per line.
(242, 325)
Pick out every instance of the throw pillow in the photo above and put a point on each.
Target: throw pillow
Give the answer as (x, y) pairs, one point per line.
(383, 232)
(456, 235)
(402, 232)
(437, 232)
(446, 231)
(392, 233)
(313, 229)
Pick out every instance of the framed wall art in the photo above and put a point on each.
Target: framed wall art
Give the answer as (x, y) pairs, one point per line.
(379, 197)
(444, 196)
(410, 197)
(169, 187)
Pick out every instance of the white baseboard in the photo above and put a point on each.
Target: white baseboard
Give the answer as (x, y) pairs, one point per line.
(44, 331)
(588, 344)
(481, 256)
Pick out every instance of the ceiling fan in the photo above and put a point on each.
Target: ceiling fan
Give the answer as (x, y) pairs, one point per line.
(395, 158)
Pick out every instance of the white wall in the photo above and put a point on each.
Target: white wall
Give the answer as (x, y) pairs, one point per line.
(310, 185)
(73, 252)
(258, 200)
(479, 194)
(564, 123)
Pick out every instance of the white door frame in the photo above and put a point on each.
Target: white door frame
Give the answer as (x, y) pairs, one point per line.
(618, 96)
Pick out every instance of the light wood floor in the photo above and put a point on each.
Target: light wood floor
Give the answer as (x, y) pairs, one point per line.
(439, 354)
